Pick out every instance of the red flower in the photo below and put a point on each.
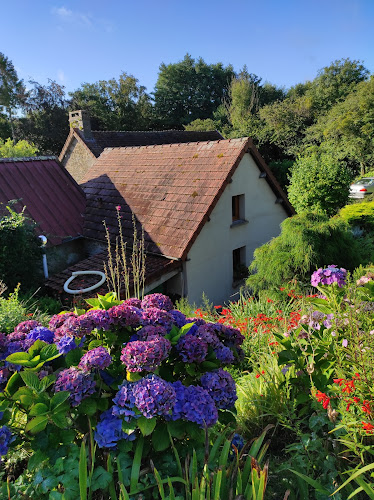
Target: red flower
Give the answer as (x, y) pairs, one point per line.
(369, 428)
(366, 407)
(323, 398)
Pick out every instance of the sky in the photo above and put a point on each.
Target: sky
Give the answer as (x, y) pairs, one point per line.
(284, 42)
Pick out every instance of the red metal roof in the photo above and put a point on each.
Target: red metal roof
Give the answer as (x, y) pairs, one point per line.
(171, 189)
(51, 196)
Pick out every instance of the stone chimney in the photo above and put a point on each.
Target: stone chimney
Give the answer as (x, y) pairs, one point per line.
(81, 120)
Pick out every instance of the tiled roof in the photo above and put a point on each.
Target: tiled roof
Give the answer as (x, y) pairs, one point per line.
(51, 196)
(171, 189)
(103, 139)
(156, 266)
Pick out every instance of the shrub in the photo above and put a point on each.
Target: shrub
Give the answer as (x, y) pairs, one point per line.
(20, 252)
(20, 149)
(307, 241)
(12, 312)
(141, 374)
(319, 182)
(359, 214)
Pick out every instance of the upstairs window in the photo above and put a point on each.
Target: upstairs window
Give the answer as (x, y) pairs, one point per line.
(238, 208)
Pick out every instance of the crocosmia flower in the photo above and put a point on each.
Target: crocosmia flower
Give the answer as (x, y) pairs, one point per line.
(98, 357)
(194, 404)
(221, 387)
(332, 274)
(77, 382)
(145, 355)
(157, 300)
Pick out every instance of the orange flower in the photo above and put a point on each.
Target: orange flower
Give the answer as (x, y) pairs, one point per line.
(369, 428)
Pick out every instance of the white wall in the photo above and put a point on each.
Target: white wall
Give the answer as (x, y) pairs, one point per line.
(209, 265)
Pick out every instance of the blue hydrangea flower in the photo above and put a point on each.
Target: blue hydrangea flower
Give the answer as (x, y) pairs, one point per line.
(153, 396)
(98, 357)
(194, 404)
(77, 382)
(179, 319)
(221, 387)
(192, 349)
(67, 343)
(224, 354)
(109, 431)
(5, 439)
(124, 401)
(41, 333)
(237, 444)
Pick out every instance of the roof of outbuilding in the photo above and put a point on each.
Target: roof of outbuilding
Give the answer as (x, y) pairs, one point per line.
(51, 196)
(103, 139)
(171, 190)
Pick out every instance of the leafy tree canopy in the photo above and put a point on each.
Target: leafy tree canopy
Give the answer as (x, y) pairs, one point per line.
(20, 149)
(190, 90)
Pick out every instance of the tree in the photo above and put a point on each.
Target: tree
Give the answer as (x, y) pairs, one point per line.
(307, 241)
(120, 104)
(12, 90)
(200, 125)
(20, 149)
(190, 90)
(46, 122)
(319, 182)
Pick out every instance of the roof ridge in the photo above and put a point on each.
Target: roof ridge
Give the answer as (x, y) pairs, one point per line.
(238, 139)
(153, 131)
(27, 158)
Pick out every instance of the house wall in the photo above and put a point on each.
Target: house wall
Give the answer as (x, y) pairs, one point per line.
(77, 160)
(209, 266)
(59, 257)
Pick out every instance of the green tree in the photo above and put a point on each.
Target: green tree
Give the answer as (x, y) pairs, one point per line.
(189, 90)
(319, 182)
(307, 241)
(120, 104)
(12, 90)
(200, 125)
(46, 122)
(20, 149)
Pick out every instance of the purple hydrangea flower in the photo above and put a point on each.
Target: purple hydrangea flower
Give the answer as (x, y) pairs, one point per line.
(145, 355)
(192, 349)
(153, 396)
(98, 357)
(224, 354)
(155, 316)
(231, 337)
(74, 327)
(194, 404)
(26, 326)
(157, 300)
(100, 319)
(67, 343)
(150, 332)
(59, 319)
(197, 321)
(124, 315)
(5, 439)
(109, 431)
(179, 319)
(4, 374)
(16, 346)
(77, 382)
(221, 387)
(332, 274)
(133, 302)
(208, 333)
(124, 401)
(41, 333)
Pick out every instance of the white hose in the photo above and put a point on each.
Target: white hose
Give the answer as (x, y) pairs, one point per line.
(83, 290)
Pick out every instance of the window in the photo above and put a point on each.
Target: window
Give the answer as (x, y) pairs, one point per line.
(238, 208)
(239, 267)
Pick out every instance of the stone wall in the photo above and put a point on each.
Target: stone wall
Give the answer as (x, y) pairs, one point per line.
(77, 160)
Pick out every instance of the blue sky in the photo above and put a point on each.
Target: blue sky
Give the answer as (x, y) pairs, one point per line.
(284, 42)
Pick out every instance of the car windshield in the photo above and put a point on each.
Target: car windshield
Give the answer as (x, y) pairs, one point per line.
(365, 181)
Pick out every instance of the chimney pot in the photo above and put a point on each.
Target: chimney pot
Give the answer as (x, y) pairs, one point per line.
(81, 120)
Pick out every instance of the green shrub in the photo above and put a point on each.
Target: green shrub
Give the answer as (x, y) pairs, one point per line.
(20, 252)
(12, 312)
(307, 241)
(359, 214)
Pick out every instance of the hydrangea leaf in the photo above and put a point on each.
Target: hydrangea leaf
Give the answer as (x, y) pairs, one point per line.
(73, 357)
(31, 380)
(38, 409)
(36, 425)
(58, 399)
(19, 358)
(146, 425)
(36, 347)
(94, 343)
(100, 479)
(88, 407)
(160, 438)
(176, 428)
(49, 352)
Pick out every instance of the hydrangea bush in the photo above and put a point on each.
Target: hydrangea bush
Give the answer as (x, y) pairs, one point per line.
(122, 370)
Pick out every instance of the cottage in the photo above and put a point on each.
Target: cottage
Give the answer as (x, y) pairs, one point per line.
(83, 146)
(52, 199)
(205, 207)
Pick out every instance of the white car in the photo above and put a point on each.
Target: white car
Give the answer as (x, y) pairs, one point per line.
(362, 187)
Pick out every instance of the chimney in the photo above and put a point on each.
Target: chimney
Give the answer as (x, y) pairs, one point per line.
(81, 120)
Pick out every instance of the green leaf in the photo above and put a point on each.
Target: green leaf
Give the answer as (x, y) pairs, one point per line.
(355, 475)
(146, 425)
(135, 469)
(160, 438)
(14, 383)
(176, 428)
(31, 380)
(36, 347)
(49, 352)
(100, 479)
(94, 343)
(58, 399)
(36, 460)
(36, 425)
(316, 485)
(73, 357)
(47, 381)
(60, 420)
(19, 358)
(38, 409)
(88, 407)
(83, 472)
